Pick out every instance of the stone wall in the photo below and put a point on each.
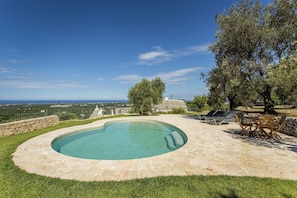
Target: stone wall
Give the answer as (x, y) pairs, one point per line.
(25, 126)
(168, 105)
(122, 110)
(290, 127)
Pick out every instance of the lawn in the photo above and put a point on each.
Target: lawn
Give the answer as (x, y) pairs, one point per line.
(15, 182)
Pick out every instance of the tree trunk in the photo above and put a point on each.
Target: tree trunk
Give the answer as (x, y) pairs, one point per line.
(268, 102)
(231, 102)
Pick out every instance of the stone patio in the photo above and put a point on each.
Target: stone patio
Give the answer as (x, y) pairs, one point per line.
(210, 150)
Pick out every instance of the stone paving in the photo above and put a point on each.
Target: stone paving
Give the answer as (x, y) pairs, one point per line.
(210, 150)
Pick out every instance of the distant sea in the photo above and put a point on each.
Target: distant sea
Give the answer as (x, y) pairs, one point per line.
(2, 102)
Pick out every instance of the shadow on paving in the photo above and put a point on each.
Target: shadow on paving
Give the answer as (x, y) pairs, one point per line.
(195, 117)
(287, 143)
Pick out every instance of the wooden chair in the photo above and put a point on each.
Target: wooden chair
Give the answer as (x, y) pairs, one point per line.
(245, 127)
(267, 122)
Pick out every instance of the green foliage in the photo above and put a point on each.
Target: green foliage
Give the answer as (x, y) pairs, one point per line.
(10, 113)
(200, 102)
(66, 116)
(276, 99)
(178, 111)
(251, 36)
(158, 88)
(6, 118)
(227, 82)
(192, 107)
(283, 78)
(145, 94)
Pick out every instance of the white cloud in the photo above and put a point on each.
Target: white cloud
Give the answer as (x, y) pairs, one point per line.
(178, 76)
(100, 79)
(17, 61)
(9, 50)
(5, 70)
(14, 74)
(13, 78)
(133, 78)
(159, 55)
(154, 57)
(23, 84)
(67, 84)
(191, 50)
(180, 72)
(170, 78)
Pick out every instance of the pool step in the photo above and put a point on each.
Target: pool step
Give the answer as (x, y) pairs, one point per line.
(174, 140)
(169, 142)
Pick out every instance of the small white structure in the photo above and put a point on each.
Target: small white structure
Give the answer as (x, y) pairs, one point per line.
(97, 113)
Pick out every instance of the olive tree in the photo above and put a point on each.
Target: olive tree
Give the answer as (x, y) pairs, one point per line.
(283, 77)
(145, 94)
(250, 37)
(226, 82)
(200, 102)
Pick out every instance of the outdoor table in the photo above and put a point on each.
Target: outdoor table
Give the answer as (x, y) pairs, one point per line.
(253, 119)
(265, 126)
(261, 125)
(253, 115)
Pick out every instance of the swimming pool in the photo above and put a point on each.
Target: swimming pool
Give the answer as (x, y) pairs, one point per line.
(121, 140)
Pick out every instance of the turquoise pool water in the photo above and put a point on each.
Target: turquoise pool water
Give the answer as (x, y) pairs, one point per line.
(121, 140)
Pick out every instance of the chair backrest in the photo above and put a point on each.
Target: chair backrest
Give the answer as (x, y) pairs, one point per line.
(219, 113)
(280, 123)
(210, 113)
(238, 120)
(282, 120)
(230, 114)
(267, 121)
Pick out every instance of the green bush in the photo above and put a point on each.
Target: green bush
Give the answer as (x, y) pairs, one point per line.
(66, 116)
(178, 111)
(192, 107)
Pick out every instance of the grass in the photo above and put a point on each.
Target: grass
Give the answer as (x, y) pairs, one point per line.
(281, 109)
(15, 182)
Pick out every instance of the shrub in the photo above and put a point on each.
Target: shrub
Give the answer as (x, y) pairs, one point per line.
(178, 110)
(66, 116)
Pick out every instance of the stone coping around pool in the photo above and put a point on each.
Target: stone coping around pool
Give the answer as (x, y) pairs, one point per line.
(210, 150)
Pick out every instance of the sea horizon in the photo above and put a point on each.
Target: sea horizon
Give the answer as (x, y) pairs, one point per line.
(19, 102)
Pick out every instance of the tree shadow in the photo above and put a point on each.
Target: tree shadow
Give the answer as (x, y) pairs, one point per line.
(293, 148)
(230, 194)
(287, 143)
(194, 117)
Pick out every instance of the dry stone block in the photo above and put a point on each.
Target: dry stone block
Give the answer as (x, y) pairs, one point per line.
(25, 126)
(290, 127)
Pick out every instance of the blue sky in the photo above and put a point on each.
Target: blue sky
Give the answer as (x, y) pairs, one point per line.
(98, 49)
